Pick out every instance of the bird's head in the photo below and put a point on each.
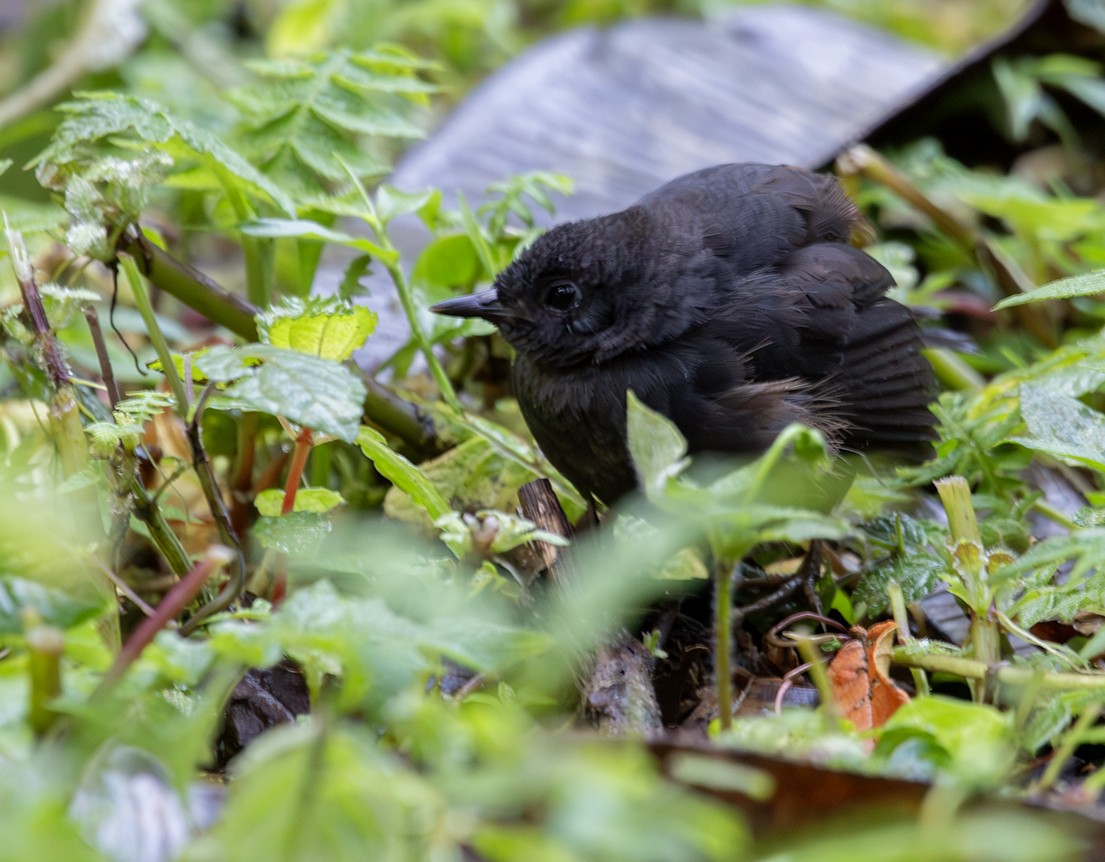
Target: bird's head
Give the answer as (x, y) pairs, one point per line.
(584, 293)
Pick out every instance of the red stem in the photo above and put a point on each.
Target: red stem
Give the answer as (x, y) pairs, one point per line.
(179, 597)
(303, 444)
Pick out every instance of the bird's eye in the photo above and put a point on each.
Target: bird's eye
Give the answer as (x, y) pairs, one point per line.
(562, 296)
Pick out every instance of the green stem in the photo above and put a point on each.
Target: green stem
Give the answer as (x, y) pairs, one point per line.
(190, 286)
(206, 475)
(256, 252)
(901, 617)
(955, 495)
(178, 598)
(952, 371)
(968, 668)
(162, 536)
(153, 329)
(390, 260)
(406, 300)
(257, 259)
(45, 646)
(1071, 739)
(723, 642)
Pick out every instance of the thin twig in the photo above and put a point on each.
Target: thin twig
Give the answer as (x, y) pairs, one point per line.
(178, 598)
(106, 371)
(217, 506)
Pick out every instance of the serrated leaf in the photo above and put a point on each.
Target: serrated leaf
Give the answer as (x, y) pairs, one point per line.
(104, 437)
(329, 328)
(316, 393)
(270, 502)
(402, 473)
(102, 116)
(1085, 547)
(305, 117)
(1062, 426)
(917, 574)
(1087, 284)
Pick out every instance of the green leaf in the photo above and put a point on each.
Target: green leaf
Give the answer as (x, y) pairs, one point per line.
(1086, 547)
(276, 228)
(306, 118)
(329, 328)
(402, 473)
(53, 606)
(1062, 426)
(391, 202)
(656, 446)
(472, 475)
(446, 264)
(295, 534)
(97, 118)
(300, 26)
(1087, 284)
(1021, 93)
(270, 501)
(490, 532)
(313, 392)
(917, 574)
(972, 741)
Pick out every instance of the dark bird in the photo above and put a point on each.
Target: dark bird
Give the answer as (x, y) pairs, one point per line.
(729, 300)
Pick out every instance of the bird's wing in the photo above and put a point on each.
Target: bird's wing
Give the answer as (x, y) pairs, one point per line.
(752, 216)
(819, 324)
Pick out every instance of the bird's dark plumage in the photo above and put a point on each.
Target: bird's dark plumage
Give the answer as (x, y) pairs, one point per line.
(730, 301)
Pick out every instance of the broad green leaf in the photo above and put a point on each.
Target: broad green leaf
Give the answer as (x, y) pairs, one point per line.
(270, 501)
(1088, 284)
(295, 534)
(472, 475)
(656, 446)
(686, 565)
(972, 741)
(55, 607)
(316, 393)
(402, 473)
(328, 328)
(446, 264)
(391, 202)
(367, 639)
(1062, 426)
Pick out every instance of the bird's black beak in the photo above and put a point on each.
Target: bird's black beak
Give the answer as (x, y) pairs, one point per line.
(484, 304)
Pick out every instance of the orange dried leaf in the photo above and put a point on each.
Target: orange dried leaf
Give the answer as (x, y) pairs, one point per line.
(859, 674)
